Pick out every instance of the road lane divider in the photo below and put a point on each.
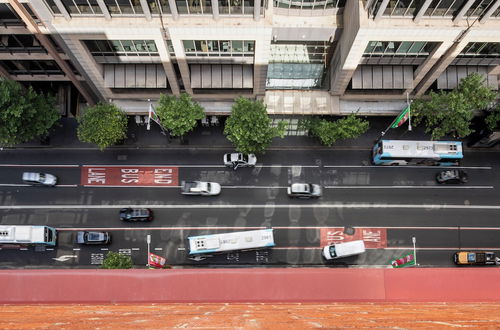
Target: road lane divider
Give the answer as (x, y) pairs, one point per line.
(410, 187)
(410, 166)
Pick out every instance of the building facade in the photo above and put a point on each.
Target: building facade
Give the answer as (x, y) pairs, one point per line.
(299, 56)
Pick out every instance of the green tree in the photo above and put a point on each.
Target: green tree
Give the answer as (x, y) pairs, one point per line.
(249, 126)
(179, 115)
(328, 132)
(450, 113)
(493, 118)
(103, 125)
(25, 114)
(115, 260)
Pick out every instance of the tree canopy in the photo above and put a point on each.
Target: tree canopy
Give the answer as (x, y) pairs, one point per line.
(25, 114)
(328, 132)
(103, 125)
(249, 127)
(450, 113)
(114, 260)
(179, 114)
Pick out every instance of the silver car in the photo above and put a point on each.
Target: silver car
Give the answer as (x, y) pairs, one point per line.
(304, 190)
(237, 159)
(39, 179)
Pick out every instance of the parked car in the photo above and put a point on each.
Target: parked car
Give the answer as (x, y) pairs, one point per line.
(39, 179)
(452, 176)
(342, 250)
(201, 188)
(136, 214)
(472, 258)
(93, 237)
(304, 190)
(237, 159)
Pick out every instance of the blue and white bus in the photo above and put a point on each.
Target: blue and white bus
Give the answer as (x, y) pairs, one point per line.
(28, 235)
(226, 242)
(404, 152)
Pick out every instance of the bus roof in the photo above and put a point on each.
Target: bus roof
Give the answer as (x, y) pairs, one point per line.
(22, 234)
(423, 149)
(232, 241)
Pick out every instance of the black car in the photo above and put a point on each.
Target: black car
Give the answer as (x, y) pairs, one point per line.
(93, 237)
(451, 176)
(132, 214)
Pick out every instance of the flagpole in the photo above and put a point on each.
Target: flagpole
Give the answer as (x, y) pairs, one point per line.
(148, 127)
(409, 110)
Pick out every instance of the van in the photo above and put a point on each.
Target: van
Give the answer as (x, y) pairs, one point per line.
(39, 179)
(342, 250)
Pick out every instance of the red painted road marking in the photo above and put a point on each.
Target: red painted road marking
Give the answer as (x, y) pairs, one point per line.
(129, 176)
(374, 238)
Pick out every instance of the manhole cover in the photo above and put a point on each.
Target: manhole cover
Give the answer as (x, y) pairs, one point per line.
(122, 157)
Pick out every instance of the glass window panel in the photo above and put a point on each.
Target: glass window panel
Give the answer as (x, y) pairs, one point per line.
(248, 7)
(112, 6)
(370, 47)
(95, 7)
(153, 6)
(416, 47)
(225, 46)
(182, 7)
(151, 46)
(140, 45)
(194, 6)
(83, 6)
(117, 45)
(189, 46)
(213, 45)
(136, 4)
(248, 46)
(404, 47)
(223, 7)
(197, 45)
(70, 7)
(51, 4)
(207, 7)
(125, 6)
(380, 47)
(237, 46)
(128, 46)
(236, 7)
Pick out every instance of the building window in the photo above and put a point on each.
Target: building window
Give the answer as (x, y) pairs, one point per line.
(236, 7)
(292, 128)
(399, 48)
(159, 7)
(122, 47)
(194, 7)
(81, 7)
(481, 49)
(20, 43)
(171, 49)
(444, 8)
(52, 6)
(124, 7)
(479, 7)
(232, 48)
(300, 52)
(8, 16)
(402, 8)
(309, 4)
(32, 67)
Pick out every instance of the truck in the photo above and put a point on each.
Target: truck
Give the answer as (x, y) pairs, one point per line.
(201, 188)
(27, 235)
(474, 258)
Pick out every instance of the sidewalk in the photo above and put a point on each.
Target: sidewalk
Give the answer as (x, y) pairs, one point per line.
(212, 137)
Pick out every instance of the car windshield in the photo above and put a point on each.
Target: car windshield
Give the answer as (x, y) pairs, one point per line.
(244, 158)
(92, 236)
(42, 177)
(332, 251)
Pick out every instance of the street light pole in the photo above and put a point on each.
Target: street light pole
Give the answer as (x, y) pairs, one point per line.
(414, 240)
(148, 240)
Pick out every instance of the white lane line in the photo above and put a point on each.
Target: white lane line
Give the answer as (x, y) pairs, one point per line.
(394, 248)
(261, 206)
(104, 249)
(277, 228)
(410, 187)
(202, 166)
(135, 249)
(76, 249)
(27, 185)
(408, 166)
(158, 249)
(36, 165)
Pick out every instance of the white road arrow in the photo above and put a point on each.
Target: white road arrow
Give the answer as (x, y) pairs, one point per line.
(65, 257)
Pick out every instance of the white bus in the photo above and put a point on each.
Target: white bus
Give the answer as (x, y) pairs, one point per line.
(224, 242)
(28, 235)
(404, 152)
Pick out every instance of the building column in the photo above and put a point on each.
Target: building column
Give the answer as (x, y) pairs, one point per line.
(173, 9)
(4, 73)
(422, 10)
(489, 12)
(429, 63)
(350, 48)
(256, 10)
(145, 9)
(50, 48)
(215, 9)
(167, 64)
(261, 60)
(440, 66)
(104, 9)
(381, 10)
(182, 63)
(462, 11)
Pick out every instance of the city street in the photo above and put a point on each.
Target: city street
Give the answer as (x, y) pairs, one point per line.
(384, 206)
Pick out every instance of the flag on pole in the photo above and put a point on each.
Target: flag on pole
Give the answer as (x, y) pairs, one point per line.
(401, 118)
(152, 115)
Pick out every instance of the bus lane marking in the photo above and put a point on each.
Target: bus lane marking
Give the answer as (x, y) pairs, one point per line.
(129, 176)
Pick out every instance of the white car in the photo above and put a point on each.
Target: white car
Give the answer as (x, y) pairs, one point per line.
(237, 159)
(39, 179)
(304, 190)
(201, 188)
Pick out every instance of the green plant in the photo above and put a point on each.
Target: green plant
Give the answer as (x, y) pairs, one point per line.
(249, 127)
(25, 114)
(179, 114)
(103, 125)
(114, 260)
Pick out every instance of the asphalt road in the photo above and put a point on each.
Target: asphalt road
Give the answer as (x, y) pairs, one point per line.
(386, 205)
